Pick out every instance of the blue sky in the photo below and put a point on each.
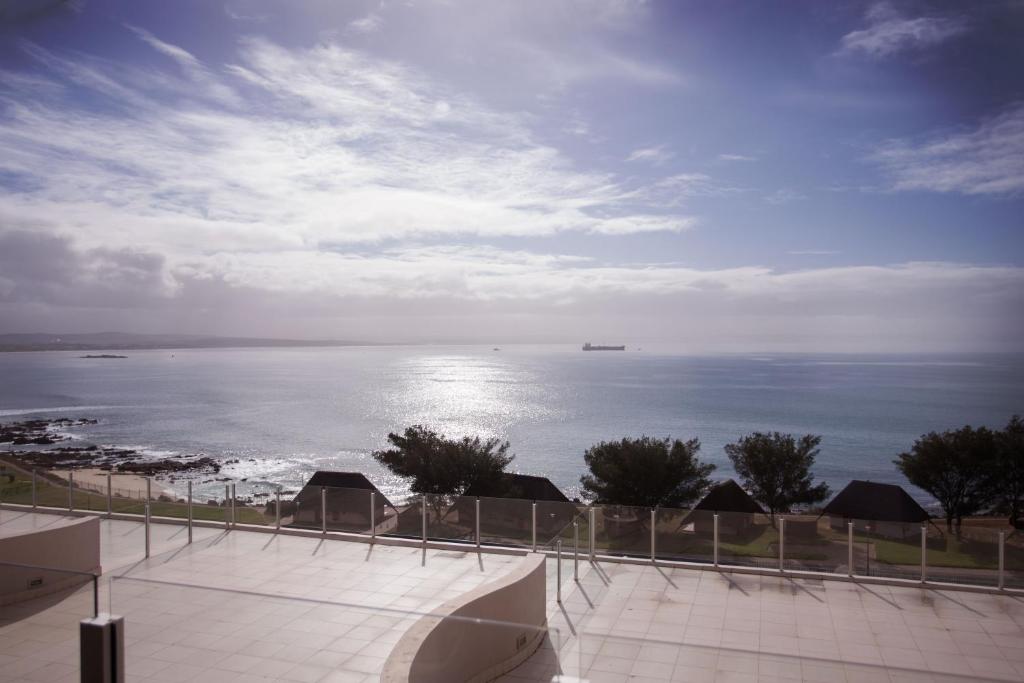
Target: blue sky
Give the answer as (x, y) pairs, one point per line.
(721, 176)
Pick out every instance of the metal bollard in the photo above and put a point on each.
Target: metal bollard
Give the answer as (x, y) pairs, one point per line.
(715, 550)
(33, 488)
(592, 533)
(189, 506)
(101, 649)
(147, 528)
(849, 547)
(1002, 559)
(373, 515)
(323, 510)
(424, 506)
(110, 495)
(575, 550)
(477, 522)
(654, 521)
(782, 544)
(558, 547)
(71, 490)
(534, 526)
(924, 553)
(277, 508)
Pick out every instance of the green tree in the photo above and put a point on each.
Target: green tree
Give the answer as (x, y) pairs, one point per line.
(443, 466)
(646, 472)
(776, 469)
(1009, 471)
(957, 467)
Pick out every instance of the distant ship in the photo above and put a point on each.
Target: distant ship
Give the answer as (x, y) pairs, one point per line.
(590, 347)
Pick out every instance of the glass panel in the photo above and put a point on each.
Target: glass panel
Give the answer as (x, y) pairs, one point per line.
(622, 530)
(507, 521)
(888, 549)
(811, 545)
(685, 535)
(347, 510)
(970, 555)
(555, 522)
(451, 518)
(748, 540)
(1014, 560)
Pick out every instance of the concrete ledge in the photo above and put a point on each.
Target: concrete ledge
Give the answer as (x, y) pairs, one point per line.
(72, 546)
(480, 635)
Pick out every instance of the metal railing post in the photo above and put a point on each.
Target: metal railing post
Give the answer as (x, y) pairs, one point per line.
(782, 544)
(849, 548)
(323, 510)
(188, 504)
(424, 506)
(558, 546)
(575, 550)
(715, 552)
(110, 494)
(1002, 559)
(33, 487)
(654, 520)
(477, 522)
(924, 553)
(533, 516)
(373, 516)
(234, 497)
(147, 527)
(593, 532)
(71, 490)
(277, 508)
(149, 489)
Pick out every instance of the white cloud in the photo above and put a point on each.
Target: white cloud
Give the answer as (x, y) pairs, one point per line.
(889, 33)
(655, 155)
(736, 157)
(291, 148)
(371, 23)
(988, 159)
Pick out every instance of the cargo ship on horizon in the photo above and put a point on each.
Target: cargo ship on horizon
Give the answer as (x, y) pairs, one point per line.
(591, 347)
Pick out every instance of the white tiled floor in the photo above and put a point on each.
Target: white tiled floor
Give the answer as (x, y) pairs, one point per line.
(243, 606)
(643, 623)
(239, 606)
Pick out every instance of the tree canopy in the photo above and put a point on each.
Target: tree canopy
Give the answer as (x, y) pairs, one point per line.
(776, 469)
(646, 472)
(440, 465)
(956, 467)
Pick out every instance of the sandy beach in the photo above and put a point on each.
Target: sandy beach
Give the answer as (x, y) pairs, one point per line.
(128, 485)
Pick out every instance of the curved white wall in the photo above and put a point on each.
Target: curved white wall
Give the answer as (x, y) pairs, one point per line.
(73, 544)
(479, 635)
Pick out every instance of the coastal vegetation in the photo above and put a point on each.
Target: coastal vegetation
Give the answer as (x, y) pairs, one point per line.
(776, 469)
(646, 472)
(970, 470)
(439, 465)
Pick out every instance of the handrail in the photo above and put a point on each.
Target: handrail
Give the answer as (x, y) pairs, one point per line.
(95, 576)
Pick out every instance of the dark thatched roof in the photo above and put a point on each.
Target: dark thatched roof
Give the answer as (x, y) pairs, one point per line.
(525, 486)
(342, 480)
(729, 497)
(870, 500)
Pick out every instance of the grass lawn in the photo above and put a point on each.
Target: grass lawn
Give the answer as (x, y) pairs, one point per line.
(50, 494)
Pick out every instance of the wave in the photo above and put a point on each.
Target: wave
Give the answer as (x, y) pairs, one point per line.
(62, 409)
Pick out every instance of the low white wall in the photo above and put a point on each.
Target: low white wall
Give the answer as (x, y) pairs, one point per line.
(71, 545)
(478, 636)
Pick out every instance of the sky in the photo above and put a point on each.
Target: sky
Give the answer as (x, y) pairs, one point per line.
(721, 176)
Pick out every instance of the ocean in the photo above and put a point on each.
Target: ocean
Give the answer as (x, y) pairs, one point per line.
(285, 412)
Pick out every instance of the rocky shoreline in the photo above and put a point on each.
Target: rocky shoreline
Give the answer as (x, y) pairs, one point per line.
(40, 432)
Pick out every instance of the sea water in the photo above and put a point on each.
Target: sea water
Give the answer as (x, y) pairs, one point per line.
(285, 412)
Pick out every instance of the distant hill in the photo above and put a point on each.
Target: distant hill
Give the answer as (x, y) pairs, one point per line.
(103, 341)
